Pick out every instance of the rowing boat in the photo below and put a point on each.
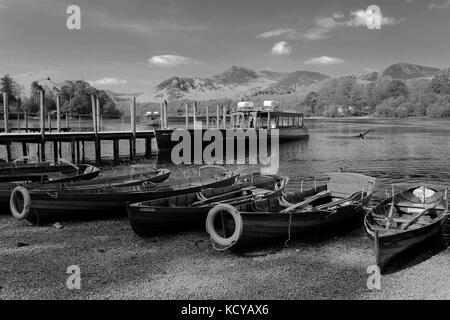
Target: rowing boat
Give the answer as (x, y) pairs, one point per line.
(189, 211)
(35, 171)
(331, 207)
(42, 206)
(135, 179)
(405, 221)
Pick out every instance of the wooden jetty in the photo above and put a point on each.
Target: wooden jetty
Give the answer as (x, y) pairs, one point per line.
(56, 136)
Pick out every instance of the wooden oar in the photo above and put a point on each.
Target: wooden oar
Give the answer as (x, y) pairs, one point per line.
(213, 199)
(339, 202)
(306, 201)
(417, 217)
(391, 210)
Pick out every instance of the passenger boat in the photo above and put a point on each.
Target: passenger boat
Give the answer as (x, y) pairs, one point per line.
(245, 122)
(40, 206)
(332, 207)
(135, 179)
(404, 221)
(189, 211)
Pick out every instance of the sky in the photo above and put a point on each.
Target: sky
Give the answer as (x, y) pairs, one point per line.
(131, 46)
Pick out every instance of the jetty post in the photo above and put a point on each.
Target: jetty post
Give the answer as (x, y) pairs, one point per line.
(161, 118)
(165, 114)
(6, 119)
(133, 129)
(42, 122)
(194, 114)
(98, 114)
(96, 138)
(217, 117)
(187, 116)
(207, 117)
(224, 117)
(6, 111)
(58, 112)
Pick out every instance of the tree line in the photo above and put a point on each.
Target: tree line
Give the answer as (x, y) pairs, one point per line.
(75, 97)
(385, 97)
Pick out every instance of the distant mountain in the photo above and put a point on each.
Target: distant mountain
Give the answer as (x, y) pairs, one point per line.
(235, 82)
(297, 79)
(407, 71)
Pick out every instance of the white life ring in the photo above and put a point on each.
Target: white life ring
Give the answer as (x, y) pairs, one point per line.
(20, 194)
(218, 239)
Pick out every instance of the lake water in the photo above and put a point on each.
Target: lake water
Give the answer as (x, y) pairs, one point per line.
(396, 151)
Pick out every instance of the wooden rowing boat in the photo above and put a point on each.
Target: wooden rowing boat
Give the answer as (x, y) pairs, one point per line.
(135, 179)
(403, 222)
(331, 207)
(189, 211)
(33, 171)
(42, 206)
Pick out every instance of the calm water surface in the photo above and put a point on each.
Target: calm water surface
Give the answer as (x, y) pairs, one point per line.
(399, 151)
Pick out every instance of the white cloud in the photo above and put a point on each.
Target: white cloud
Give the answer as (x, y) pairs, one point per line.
(324, 61)
(362, 18)
(108, 81)
(440, 6)
(169, 60)
(324, 25)
(281, 48)
(276, 33)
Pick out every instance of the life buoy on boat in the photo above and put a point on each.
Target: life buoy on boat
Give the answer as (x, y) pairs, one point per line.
(20, 196)
(218, 239)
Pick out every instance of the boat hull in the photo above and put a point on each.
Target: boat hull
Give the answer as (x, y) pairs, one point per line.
(165, 143)
(395, 226)
(263, 228)
(49, 206)
(390, 248)
(150, 219)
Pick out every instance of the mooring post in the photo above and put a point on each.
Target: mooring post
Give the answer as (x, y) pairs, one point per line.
(148, 148)
(49, 123)
(42, 122)
(83, 156)
(133, 128)
(72, 150)
(26, 121)
(6, 111)
(94, 111)
(96, 138)
(67, 121)
(224, 117)
(98, 114)
(24, 149)
(55, 151)
(194, 114)
(116, 151)
(58, 113)
(161, 118)
(187, 116)
(78, 152)
(165, 114)
(207, 117)
(18, 122)
(218, 116)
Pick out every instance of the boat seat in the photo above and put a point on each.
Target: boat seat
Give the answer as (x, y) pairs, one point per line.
(398, 220)
(417, 205)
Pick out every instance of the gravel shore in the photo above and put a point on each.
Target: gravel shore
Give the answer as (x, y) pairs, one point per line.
(116, 264)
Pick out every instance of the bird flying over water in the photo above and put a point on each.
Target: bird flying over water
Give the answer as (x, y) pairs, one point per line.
(363, 135)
